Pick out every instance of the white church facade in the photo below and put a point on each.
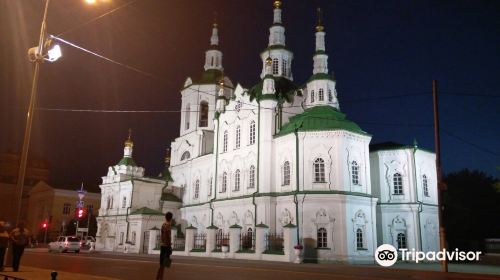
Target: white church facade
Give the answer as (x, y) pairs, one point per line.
(280, 156)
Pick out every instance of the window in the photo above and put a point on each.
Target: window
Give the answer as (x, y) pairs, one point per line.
(398, 184)
(224, 182)
(203, 114)
(122, 235)
(108, 202)
(401, 240)
(286, 174)
(359, 238)
(425, 185)
(322, 238)
(224, 147)
(319, 170)
(133, 237)
(251, 184)
(111, 206)
(355, 173)
(124, 202)
(210, 186)
(212, 61)
(237, 180)
(312, 96)
(238, 134)
(252, 132)
(275, 66)
(283, 67)
(330, 96)
(197, 189)
(187, 116)
(321, 95)
(185, 156)
(66, 208)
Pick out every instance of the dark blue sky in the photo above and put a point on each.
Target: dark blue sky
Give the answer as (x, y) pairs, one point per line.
(378, 49)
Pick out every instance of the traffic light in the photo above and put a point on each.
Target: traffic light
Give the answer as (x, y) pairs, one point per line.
(44, 225)
(80, 213)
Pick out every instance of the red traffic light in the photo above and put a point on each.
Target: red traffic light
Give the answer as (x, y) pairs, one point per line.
(44, 225)
(80, 213)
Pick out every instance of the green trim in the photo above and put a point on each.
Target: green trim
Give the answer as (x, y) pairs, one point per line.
(146, 211)
(389, 146)
(177, 250)
(128, 161)
(246, 251)
(261, 225)
(212, 227)
(199, 250)
(319, 52)
(406, 203)
(170, 197)
(191, 227)
(284, 89)
(236, 226)
(321, 76)
(269, 252)
(217, 251)
(323, 248)
(290, 225)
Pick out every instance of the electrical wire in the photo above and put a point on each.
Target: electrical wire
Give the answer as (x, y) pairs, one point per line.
(470, 143)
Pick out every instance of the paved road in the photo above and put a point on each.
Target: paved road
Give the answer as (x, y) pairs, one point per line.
(144, 267)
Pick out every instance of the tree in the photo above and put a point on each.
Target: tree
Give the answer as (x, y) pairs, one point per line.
(471, 209)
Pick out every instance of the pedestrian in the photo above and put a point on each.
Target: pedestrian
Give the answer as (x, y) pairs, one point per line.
(4, 243)
(166, 246)
(20, 238)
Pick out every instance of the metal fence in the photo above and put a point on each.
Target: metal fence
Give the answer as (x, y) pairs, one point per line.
(200, 242)
(274, 243)
(179, 244)
(221, 239)
(247, 241)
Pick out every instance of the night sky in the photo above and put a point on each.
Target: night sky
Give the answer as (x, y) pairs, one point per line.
(384, 54)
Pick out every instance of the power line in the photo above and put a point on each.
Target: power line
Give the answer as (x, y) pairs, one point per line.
(470, 143)
(468, 94)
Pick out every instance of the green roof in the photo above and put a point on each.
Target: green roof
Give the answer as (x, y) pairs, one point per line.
(210, 76)
(146, 211)
(285, 90)
(275, 47)
(321, 76)
(320, 118)
(394, 146)
(128, 161)
(170, 197)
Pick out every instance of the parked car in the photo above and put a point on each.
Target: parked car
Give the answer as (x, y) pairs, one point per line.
(86, 241)
(65, 244)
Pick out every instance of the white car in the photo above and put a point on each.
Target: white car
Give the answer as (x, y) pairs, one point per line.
(65, 244)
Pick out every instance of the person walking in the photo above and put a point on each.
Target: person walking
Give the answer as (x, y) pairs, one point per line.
(166, 246)
(4, 243)
(20, 238)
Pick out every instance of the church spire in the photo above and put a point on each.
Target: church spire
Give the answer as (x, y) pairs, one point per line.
(320, 57)
(213, 56)
(277, 30)
(129, 145)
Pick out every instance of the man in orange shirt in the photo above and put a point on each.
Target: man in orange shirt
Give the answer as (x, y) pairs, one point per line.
(166, 246)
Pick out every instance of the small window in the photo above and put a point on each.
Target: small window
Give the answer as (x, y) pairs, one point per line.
(355, 173)
(359, 239)
(251, 184)
(224, 182)
(237, 180)
(319, 170)
(401, 240)
(133, 237)
(425, 184)
(312, 96)
(252, 132)
(203, 114)
(224, 147)
(330, 96)
(322, 238)
(197, 189)
(187, 115)
(238, 134)
(284, 68)
(210, 186)
(398, 184)
(321, 95)
(124, 202)
(275, 66)
(66, 208)
(185, 156)
(286, 174)
(122, 235)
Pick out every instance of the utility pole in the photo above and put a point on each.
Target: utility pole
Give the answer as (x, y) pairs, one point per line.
(441, 185)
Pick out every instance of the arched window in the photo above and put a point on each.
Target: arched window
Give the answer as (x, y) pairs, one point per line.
(319, 170)
(322, 238)
(237, 180)
(252, 132)
(321, 95)
(224, 147)
(401, 240)
(330, 96)
(185, 156)
(251, 184)
(275, 66)
(425, 185)
(312, 96)
(355, 173)
(124, 202)
(224, 182)
(238, 133)
(111, 207)
(203, 114)
(133, 237)
(359, 239)
(283, 67)
(398, 183)
(286, 174)
(122, 235)
(210, 186)
(212, 61)
(187, 115)
(197, 189)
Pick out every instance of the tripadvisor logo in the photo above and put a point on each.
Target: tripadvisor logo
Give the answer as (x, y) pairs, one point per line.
(387, 255)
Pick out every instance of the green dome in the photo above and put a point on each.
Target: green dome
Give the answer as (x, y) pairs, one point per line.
(210, 76)
(128, 161)
(320, 118)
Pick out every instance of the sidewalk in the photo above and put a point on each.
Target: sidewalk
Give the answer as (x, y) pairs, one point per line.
(34, 273)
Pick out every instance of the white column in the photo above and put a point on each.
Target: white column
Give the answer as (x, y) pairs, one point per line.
(234, 238)
(261, 231)
(289, 241)
(211, 232)
(190, 232)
